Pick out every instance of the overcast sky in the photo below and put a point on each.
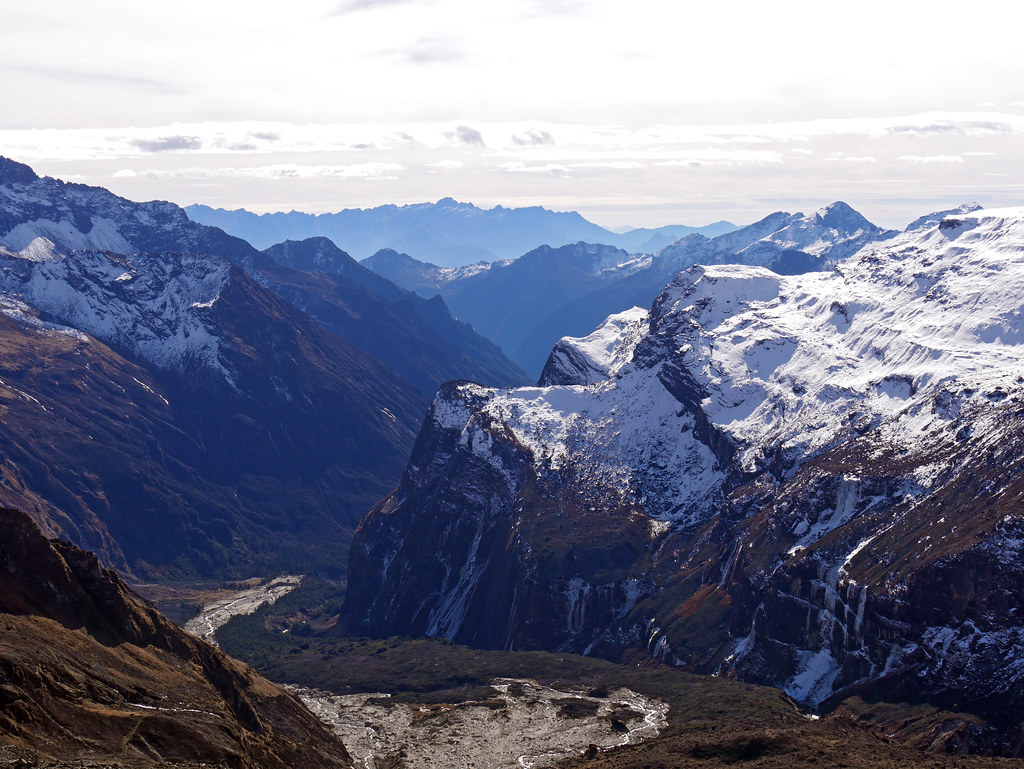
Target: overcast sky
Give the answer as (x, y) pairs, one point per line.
(633, 113)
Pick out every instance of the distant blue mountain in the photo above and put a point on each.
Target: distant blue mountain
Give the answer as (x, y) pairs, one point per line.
(526, 305)
(446, 233)
(417, 337)
(646, 241)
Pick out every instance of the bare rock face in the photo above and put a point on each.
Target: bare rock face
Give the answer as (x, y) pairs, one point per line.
(809, 481)
(488, 546)
(89, 669)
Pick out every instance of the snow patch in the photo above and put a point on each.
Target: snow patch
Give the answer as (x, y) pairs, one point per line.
(64, 236)
(155, 306)
(626, 438)
(603, 353)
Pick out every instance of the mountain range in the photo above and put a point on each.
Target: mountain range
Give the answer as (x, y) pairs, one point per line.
(811, 481)
(179, 402)
(527, 304)
(448, 233)
(416, 337)
(170, 422)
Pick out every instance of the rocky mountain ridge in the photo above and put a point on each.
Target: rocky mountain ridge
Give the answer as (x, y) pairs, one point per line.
(43, 219)
(90, 671)
(807, 481)
(192, 456)
(416, 337)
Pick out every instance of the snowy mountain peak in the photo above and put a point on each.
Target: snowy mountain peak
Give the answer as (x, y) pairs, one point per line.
(930, 220)
(842, 217)
(784, 242)
(597, 356)
(785, 359)
(788, 479)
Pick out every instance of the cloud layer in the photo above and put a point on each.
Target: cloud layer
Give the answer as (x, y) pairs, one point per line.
(634, 113)
(893, 168)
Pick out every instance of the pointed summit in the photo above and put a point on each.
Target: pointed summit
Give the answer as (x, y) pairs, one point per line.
(841, 216)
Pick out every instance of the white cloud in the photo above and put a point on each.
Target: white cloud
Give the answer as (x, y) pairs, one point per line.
(594, 105)
(618, 165)
(600, 141)
(521, 168)
(931, 159)
(353, 6)
(463, 134)
(430, 50)
(861, 160)
(533, 138)
(168, 144)
(637, 175)
(280, 171)
(720, 157)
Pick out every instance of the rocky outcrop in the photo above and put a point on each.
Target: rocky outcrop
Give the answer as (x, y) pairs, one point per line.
(90, 670)
(503, 572)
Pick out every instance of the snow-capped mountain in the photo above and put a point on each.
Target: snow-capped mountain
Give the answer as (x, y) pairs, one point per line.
(834, 232)
(806, 480)
(42, 219)
(425, 279)
(153, 306)
(164, 407)
(598, 356)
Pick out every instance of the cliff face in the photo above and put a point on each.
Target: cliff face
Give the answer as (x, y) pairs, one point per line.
(810, 481)
(89, 669)
(492, 541)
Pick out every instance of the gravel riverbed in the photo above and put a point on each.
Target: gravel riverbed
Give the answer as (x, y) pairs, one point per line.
(215, 614)
(524, 725)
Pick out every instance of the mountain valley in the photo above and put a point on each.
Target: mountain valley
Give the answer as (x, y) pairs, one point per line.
(89, 670)
(762, 505)
(237, 431)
